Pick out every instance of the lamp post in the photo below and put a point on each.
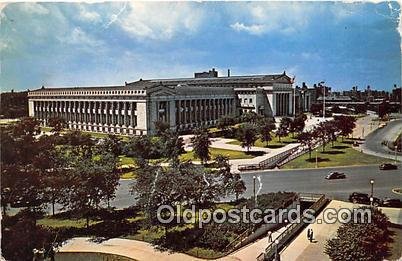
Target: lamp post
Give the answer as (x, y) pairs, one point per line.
(254, 197)
(396, 147)
(372, 187)
(294, 101)
(276, 250)
(316, 158)
(323, 97)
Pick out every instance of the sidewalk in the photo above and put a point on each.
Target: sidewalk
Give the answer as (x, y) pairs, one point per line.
(137, 250)
(222, 143)
(301, 249)
(250, 252)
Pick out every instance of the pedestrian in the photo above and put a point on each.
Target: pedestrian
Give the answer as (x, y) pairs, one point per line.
(269, 237)
(311, 235)
(308, 234)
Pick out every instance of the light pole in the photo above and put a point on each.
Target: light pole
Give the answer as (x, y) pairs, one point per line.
(254, 191)
(372, 187)
(396, 159)
(294, 101)
(276, 250)
(323, 97)
(316, 158)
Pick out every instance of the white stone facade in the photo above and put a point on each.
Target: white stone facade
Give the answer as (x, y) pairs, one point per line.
(185, 104)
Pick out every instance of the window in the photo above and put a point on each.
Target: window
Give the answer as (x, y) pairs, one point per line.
(251, 100)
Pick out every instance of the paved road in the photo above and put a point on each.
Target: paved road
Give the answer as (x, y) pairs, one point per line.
(372, 144)
(312, 180)
(306, 180)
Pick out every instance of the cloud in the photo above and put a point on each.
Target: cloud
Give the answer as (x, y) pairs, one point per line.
(89, 16)
(264, 17)
(33, 8)
(161, 20)
(256, 29)
(80, 37)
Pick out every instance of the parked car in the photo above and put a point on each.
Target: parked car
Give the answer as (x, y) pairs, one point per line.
(336, 175)
(392, 202)
(362, 198)
(388, 166)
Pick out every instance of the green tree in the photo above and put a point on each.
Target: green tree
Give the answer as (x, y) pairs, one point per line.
(250, 117)
(225, 122)
(173, 146)
(321, 133)
(139, 147)
(231, 183)
(265, 129)
(79, 143)
(361, 240)
(111, 144)
(247, 135)
(21, 161)
(57, 125)
(201, 144)
(284, 127)
(345, 124)
(307, 139)
(91, 182)
(161, 127)
(298, 124)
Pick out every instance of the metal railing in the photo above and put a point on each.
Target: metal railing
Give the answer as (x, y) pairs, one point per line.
(235, 242)
(283, 238)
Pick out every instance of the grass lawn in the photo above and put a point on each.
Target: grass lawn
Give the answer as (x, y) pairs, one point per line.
(273, 144)
(232, 154)
(125, 160)
(58, 222)
(128, 175)
(341, 154)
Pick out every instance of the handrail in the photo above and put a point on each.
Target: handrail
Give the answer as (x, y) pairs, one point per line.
(271, 248)
(236, 240)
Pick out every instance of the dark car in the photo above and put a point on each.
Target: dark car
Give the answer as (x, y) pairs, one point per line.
(392, 202)
(336, 175)
(362, 198)
(388, 166)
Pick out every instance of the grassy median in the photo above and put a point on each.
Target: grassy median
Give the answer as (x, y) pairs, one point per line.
(232, 154)
(340, 154)
(273, 144)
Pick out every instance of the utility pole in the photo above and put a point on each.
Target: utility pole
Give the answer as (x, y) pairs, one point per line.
(323, 97)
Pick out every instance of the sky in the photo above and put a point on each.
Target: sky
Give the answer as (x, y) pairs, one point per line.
(109, 43)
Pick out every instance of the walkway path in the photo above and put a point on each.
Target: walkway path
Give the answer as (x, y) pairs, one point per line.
(223, 144)
(134, 249)
(301, 249)
(251, 251)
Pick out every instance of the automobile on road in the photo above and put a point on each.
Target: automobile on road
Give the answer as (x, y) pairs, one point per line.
(388, 166)
(336, 175)
(392, 202)
(363, 198)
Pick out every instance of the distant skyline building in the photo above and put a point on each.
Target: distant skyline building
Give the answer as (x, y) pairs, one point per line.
(184, 103)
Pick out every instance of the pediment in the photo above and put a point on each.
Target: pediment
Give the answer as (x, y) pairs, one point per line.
(161, 90)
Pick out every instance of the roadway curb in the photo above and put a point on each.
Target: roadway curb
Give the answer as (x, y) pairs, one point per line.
(323, 168)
